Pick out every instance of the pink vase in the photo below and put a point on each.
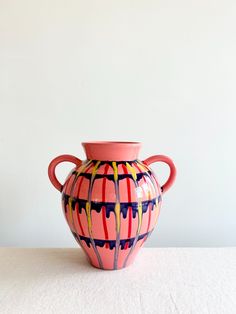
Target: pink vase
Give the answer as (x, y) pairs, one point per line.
(111, 201)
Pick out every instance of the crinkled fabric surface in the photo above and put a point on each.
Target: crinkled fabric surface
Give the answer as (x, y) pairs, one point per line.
(162, 280)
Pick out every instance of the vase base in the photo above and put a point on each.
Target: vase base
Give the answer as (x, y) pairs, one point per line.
(109, 269)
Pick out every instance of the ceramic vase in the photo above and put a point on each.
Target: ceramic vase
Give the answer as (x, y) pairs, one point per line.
(111, 201)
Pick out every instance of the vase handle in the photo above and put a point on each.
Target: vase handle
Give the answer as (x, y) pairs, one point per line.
(54, 163)
(169, 162)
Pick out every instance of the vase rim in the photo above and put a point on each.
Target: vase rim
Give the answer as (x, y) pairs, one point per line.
(111, 142)
(112, 150)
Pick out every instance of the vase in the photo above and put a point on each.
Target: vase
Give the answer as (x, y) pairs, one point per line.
(111, 201)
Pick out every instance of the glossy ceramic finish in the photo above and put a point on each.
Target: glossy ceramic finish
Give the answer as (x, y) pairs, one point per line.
(111, 203)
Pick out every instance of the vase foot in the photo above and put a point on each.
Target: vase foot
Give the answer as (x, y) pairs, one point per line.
(109, 269)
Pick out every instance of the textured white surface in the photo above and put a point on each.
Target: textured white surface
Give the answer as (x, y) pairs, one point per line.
(183, 280)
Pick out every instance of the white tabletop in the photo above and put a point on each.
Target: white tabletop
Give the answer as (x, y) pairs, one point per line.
(164, 280)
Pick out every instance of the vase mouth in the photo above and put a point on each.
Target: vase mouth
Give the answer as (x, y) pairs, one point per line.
(112, 150)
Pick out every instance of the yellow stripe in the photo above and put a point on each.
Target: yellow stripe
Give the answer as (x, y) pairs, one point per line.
(157, 209)
(82, 168)
(140, 211)
(70, 211)
(88, 212)
(95, 169)
(117, 212)
(115, 170)
(149, 192)
(144, 169)
(132, 170)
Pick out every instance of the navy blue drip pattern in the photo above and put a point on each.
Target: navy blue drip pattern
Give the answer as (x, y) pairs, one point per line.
(111, 176)
(111, 243)
(110, 206)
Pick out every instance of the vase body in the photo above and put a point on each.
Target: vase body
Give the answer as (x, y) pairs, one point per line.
(111, 202)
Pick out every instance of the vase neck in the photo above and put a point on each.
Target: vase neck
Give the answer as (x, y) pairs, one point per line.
(112, 151)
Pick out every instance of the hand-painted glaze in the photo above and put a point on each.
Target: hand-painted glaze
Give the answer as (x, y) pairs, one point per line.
(111, 204)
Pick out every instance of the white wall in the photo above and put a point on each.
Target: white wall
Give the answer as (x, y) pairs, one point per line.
(160, 72)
